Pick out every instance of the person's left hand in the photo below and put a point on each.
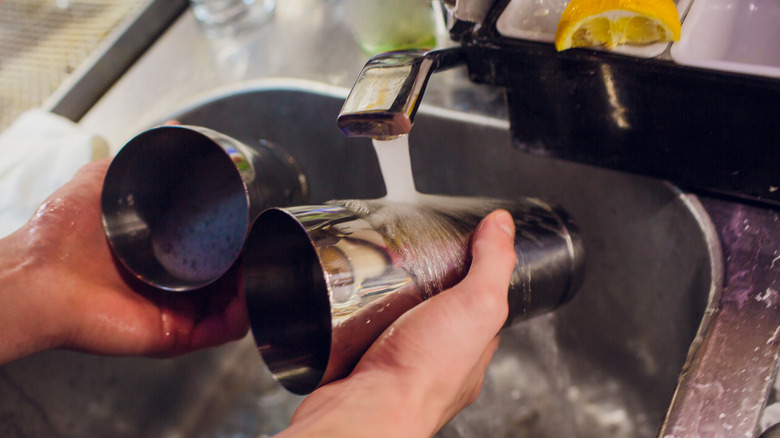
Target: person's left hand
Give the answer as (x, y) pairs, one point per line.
(60, 287)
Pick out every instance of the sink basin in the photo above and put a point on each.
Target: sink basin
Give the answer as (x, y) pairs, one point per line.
(606, 364)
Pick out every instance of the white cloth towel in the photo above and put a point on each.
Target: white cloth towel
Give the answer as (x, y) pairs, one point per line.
(39, 152)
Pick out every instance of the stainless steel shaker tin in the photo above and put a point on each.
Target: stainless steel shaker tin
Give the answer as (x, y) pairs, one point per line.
(322, 282)
(178, 202)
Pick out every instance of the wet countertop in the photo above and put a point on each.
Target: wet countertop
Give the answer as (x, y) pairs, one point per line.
(307, 39)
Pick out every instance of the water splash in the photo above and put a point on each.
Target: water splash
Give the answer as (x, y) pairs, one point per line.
(430, 237)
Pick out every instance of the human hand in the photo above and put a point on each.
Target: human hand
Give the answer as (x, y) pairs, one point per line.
(430, 363)
(61, 288)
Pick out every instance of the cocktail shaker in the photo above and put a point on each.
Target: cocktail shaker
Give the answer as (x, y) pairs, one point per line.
(178, 202)
(322, 282)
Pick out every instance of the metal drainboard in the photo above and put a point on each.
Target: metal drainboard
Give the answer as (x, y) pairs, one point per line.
(43, 41)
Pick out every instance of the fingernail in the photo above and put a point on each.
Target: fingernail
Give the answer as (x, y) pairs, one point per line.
(505, 222)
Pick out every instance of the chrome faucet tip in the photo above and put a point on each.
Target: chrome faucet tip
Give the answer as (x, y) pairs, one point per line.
(388, 91)
(379, 125)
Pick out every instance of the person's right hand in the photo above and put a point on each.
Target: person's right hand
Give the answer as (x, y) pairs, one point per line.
(430, 363)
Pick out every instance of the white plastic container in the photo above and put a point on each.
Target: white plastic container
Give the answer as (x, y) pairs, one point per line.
(731, 35)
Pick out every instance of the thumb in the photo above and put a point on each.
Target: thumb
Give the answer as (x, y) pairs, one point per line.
(481, 297)
(451, 330)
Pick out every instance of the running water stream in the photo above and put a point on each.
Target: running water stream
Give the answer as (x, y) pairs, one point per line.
(396, 166)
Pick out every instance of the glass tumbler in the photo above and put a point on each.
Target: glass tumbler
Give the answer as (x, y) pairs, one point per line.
(224, 18)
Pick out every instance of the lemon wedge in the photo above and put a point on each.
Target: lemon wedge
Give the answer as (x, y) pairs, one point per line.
(609, 23)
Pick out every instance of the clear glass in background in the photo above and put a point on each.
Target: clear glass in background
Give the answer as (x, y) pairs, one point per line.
(224, 18)
(384, 25)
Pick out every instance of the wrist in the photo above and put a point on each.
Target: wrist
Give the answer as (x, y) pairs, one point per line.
(360, 406)
(24, 327)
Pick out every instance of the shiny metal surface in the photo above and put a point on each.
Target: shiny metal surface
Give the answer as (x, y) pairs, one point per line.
(388, 91)
(322, 282)
(715, 380)
(469, 10)
(732, 365)
(616, 351)
(606, 364)
(178, 202)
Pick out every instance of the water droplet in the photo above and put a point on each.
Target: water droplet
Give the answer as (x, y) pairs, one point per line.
(167, 247)
(542, 12)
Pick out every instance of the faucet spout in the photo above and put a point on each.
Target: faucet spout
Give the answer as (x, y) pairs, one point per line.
(388, 92)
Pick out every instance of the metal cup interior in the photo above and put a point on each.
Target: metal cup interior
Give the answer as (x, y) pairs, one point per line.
(175, 208)
(287, 300)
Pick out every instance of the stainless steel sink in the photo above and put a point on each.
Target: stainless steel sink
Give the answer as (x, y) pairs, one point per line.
(606, 364)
